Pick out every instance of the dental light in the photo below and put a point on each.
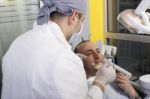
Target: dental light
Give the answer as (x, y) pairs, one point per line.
(136, 21)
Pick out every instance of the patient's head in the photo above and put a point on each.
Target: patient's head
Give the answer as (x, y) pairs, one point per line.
(93, 54)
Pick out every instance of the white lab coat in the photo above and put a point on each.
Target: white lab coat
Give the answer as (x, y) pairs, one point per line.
(40, 65)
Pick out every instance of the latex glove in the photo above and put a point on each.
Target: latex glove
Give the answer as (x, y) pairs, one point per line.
(106, 74)
(123, 82)
(81, 56)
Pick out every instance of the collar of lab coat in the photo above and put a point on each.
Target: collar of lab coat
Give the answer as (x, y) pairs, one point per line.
(53, 28)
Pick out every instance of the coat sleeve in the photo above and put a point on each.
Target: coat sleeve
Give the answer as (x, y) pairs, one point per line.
(71, 82)
(94, 93)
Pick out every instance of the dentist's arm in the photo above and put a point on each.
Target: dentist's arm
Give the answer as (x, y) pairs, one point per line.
(105, 75)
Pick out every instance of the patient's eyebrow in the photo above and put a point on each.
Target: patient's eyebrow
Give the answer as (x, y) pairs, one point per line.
(87, 51)
(98, 49)
(90, 50)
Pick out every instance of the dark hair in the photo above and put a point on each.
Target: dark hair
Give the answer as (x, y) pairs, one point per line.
(56, 13)
(80, 15)
(76, 50)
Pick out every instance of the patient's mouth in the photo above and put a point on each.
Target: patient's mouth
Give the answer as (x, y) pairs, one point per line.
(97, 65)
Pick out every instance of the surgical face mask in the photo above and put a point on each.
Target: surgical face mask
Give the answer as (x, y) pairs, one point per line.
(79, 33)
(75, 37)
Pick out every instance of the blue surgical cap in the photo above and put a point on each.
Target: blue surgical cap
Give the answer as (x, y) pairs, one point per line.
(62, 6)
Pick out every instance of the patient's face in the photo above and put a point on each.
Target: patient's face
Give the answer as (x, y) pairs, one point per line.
(93, 57)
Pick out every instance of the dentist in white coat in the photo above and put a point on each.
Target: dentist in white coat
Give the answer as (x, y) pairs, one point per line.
(40, 63)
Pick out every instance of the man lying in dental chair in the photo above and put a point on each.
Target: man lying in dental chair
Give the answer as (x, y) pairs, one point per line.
(120, 89)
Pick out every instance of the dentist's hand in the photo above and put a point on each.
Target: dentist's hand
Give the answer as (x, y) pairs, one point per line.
(106, 74)
(82, 57)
